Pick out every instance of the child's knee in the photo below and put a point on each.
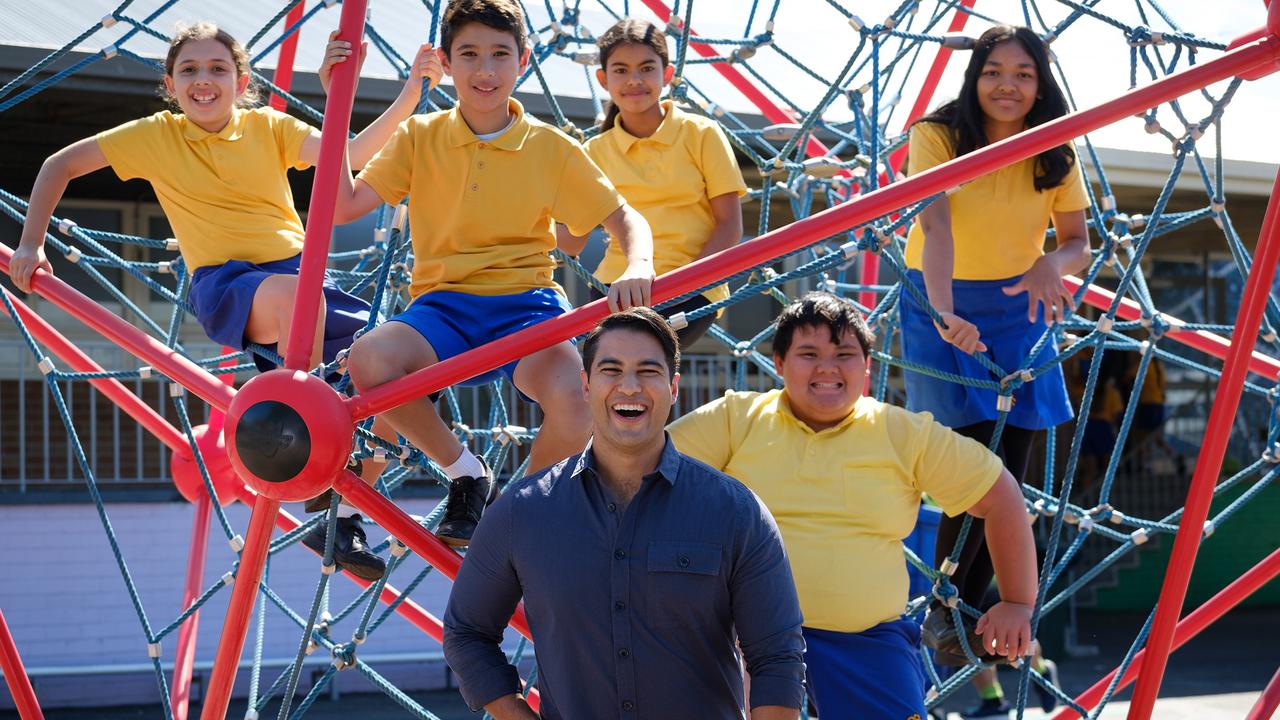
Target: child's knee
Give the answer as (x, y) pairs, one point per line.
(370, 364)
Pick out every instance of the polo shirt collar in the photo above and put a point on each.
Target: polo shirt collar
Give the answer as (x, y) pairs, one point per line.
(666, 134)
(513, 138)
(233, 130)
(784, 409)
(668, 464)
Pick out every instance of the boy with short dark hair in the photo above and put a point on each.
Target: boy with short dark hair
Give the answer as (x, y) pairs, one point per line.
(486, 184)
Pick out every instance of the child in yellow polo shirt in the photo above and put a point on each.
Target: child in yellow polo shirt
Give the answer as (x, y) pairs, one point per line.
(979, 256)
(843, 476)
(219, 170)
(676, 169)
(486, 183)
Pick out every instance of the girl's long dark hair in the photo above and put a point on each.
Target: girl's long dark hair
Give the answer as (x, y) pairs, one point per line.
(964, 115)
(636, 32)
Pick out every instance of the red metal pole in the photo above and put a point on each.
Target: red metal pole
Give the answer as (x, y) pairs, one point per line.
(1202, 340)
(54, 342)
(283, 76)
(186, 658)
(333, 142)
(137, 343)
(395, 521)
(821, 225)
(1209, 461)
(1190, 626)
(243, 593)
(1268, 701)
(15, 676)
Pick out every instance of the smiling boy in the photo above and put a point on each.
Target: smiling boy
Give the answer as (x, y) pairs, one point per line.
(843, 475)
(485, 184)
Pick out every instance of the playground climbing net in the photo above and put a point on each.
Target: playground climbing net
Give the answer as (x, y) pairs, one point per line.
(836, 130)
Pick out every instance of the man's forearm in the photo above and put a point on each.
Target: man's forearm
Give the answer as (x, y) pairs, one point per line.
(514, 707)
(774, 712)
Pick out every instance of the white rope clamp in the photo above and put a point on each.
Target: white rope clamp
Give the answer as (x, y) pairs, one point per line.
(1086, 525)
(856, 23)
(144, 372)
(1117, 517)
(588, 58)
(1105, 324)
(73, 254)
(176, 390)
(782, 132)
(1108, 202)
(228, 578)
(107, 21)
(251, 715)
(402, 211)
(46, 366)
(508, 434)
(327, 569)
(236, 543)
(164, 267)
(171, 244)
(1209, 527)
(153, 650)
(1140, 536)
(1004, 403)
(850, 249)
(958, 41)
(397, 548)
(822, 167)
(110, 51)
(948, 567)
(679, 321)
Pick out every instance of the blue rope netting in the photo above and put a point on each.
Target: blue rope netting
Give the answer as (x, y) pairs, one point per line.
(863, 84)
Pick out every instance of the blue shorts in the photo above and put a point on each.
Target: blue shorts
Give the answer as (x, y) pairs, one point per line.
(454, 322)
(1149, 416)
(876, 674)
(222, 296)
(1003, 327)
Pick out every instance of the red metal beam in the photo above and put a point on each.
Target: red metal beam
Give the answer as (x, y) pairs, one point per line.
(1190, 626)
(15, 676)
(825, 224)
(134, 341)
(324, 191)
(1202, 340)
(1209, 462)
(77, 360)
(1268, 701)
(186, 658)
(283, 76)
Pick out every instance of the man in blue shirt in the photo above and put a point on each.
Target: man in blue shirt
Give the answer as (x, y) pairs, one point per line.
(639, 567)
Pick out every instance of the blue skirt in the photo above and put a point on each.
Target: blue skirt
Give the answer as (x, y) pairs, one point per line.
(222, 296)
(1002, 325)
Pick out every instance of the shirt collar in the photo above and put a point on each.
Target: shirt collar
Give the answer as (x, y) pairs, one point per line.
(513, 139)
(668, 464)
(231, 131)
(784, 409)
(666, 133)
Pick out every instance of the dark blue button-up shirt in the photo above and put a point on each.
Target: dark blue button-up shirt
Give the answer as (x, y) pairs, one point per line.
(633, 609)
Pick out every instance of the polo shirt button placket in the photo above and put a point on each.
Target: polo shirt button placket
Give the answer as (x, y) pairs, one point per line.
(624, 653)
(628, 705)
(620, 554)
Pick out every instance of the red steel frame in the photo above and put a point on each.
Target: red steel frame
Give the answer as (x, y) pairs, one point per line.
(1255, 58)
(1268, 701)
(15, 676)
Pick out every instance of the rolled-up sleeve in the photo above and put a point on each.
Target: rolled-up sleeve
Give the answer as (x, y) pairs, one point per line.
(766, 610)
(484, 596)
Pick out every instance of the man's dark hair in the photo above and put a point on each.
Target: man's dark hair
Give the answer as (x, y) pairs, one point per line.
(501, 15)
(641, 320)
(821, 309)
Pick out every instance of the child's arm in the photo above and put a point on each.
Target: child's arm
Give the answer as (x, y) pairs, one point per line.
(572, 245)
(727, 211)
(80, 158)
(1043, 282)
(1006, 627)
(426, 64)
(636, 242)
(938, 262)
(355, 198)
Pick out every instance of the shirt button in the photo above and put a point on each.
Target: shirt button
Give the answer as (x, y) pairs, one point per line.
(480, 164)
(475, 186)
(483, 145)
(624, 653)
(619, 606)
(628, 705)
(620, 554)
(684, 562)
(612, 507)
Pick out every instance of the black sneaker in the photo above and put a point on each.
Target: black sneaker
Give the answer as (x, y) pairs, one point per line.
(988, 709)
(939, 634)
(468, 497)
(350, 548)
(1048, 701)
(321, 502)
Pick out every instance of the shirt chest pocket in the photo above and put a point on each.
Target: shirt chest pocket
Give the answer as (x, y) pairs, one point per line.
(682, 583)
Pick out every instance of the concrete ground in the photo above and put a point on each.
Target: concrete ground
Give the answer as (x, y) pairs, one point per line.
(1217, 676)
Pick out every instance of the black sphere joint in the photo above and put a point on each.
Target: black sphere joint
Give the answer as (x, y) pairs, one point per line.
(273, 441)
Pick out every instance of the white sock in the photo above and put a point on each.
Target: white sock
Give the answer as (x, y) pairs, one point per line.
(345, 510)
(467, 465)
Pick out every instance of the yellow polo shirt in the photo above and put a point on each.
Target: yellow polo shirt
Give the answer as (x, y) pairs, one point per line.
(670, 177)
(226, 194)
(998, 221)
(482, 212)
(844, 498)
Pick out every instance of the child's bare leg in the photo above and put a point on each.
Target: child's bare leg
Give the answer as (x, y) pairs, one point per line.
(389, 352)
(552, 378)
(372, 469)
(272, 313)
